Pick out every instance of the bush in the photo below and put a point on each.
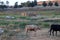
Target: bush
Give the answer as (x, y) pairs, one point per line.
(50, 3)
(25, 17)
(56, 4)
(22, 24)
(45, 25)
(5, 31)
(2, 22)
(44, 4)
(11, 33)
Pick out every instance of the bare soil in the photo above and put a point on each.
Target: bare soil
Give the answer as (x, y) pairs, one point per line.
(42, 34)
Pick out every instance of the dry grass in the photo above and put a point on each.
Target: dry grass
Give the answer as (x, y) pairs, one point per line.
(40, 35)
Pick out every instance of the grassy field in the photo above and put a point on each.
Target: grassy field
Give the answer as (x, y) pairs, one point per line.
(45, 14)
(20, 21)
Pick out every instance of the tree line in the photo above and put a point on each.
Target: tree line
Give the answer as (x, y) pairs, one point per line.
(27, 4)
(3, 5)
(34, 3)
(50, 4)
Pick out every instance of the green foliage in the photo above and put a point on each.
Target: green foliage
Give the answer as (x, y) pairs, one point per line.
(49, 13)
(50, 4)
(45, 25)
(25, 17)
(17, 24)
(22, 24)
(5, 31)
(11, 33)
(2, 22)
(44, 4)
(56, 4)
(16, 5)
(35, 2)
(7, 2)
(29, 4)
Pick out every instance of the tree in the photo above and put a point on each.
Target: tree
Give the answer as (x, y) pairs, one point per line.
(25, 4)
(35, 2)
(50, 3)
(2, 5)
(28, 3)
(7, 2)
(16, 5)
(19, 6)
(32, 4)
(44, 4)
(56, 4)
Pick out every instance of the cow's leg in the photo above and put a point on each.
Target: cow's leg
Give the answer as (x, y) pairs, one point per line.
(56, 33)
(50, 31)
(53, 32)
(26, 31)
(35, 32)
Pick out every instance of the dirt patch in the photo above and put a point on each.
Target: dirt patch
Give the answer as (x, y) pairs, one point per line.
(42, 34)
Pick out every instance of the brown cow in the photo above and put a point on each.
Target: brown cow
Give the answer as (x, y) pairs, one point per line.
(31, 28)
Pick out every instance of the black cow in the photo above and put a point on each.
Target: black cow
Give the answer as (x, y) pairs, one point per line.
(54, 28)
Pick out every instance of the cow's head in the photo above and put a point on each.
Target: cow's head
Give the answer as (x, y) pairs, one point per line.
(38, 28)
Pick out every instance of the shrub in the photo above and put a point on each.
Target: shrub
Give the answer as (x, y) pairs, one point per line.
(25, 17)
(50, 3)
(56, 4)
(22, 24)
(44, 4)
(45, 25)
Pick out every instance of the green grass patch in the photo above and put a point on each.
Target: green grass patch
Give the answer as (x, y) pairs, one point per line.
(49, 13)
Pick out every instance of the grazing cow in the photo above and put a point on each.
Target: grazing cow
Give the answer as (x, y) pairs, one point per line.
(54, 28)
(31, 28)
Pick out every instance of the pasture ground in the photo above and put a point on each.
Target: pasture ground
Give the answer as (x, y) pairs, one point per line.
(20, 22)
(42, 34)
